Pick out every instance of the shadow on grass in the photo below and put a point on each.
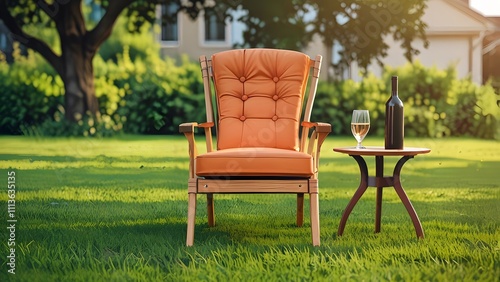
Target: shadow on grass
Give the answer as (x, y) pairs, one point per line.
(94, 160)
(423, 172)
(474, 212)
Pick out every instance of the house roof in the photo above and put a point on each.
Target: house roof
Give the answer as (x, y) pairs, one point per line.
(493, 23)
(455, 17)
(464, 6)
(495, 20)
(492, 40)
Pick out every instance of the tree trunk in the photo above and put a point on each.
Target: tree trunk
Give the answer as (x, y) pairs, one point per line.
(78, 47)
(78, 78)
(77, 55)
(330, 71)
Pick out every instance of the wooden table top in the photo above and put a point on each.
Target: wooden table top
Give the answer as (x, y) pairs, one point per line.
(381, 151)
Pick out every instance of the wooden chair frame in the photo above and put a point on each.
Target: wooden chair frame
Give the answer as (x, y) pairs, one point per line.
(312, 137)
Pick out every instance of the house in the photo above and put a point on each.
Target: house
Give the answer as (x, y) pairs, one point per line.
(463, 37)
(491, 54)
(207, 35)
(457, 38)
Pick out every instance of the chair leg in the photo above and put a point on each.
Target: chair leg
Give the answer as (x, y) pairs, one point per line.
(191, 219)
(300, 209)
(314, 210)
(210, 210)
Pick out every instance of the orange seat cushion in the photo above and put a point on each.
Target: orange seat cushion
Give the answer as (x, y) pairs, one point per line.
(255, 162)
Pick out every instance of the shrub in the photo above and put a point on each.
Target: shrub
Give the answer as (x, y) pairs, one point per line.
(157, 95)
(332, 100)
(475, 112)
(29, 95)
(145, 96)
(336, 101)
(92, 126)
(141, 44)
(437, 104)
(153, 96)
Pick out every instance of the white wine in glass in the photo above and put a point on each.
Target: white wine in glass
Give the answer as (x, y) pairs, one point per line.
(360, 125)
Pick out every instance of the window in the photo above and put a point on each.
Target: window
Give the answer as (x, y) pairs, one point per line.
(214, 31)
(215, 28)
(169, 22)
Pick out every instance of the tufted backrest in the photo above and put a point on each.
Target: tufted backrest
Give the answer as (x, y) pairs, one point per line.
(259, 93)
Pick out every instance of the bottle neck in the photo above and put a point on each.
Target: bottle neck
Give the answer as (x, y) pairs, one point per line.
(394, 86)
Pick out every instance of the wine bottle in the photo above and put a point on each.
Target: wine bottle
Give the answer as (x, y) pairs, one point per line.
(394, 119)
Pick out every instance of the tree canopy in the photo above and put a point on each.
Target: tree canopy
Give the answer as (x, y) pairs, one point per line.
(358, 26)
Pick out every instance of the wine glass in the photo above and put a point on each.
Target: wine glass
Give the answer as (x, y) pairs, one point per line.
(360, 124)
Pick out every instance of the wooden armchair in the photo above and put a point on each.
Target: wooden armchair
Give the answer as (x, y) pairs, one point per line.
(259, 95)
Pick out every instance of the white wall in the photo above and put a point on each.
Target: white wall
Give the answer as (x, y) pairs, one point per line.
(455, 37)
(441, 53)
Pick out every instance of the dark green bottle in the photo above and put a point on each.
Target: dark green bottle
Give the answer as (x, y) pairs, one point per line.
(394, 119)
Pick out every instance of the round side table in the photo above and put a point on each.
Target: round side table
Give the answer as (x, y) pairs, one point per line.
(380, 181)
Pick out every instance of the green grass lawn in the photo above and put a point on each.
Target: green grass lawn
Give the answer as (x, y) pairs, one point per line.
(115, 210)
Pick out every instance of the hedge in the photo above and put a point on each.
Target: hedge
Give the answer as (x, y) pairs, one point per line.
(436, 103)
(153, 96)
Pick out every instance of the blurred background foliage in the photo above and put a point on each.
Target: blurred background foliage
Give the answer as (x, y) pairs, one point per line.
(436, 103)
(141, 93)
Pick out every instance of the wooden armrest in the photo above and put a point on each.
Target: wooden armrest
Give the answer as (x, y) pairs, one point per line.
(206, 125)
(188, 130)
(190, 126)
(322, 130)
(187, 127)
(321, 127)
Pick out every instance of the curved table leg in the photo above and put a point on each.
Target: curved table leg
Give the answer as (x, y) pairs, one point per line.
(404, 198)
(363, 185)
(379, 173)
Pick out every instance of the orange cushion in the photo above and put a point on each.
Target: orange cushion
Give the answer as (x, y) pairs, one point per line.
(254, 162)
(259, 97)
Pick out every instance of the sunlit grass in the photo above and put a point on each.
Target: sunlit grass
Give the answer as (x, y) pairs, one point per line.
(115, 209)
(104, 195)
